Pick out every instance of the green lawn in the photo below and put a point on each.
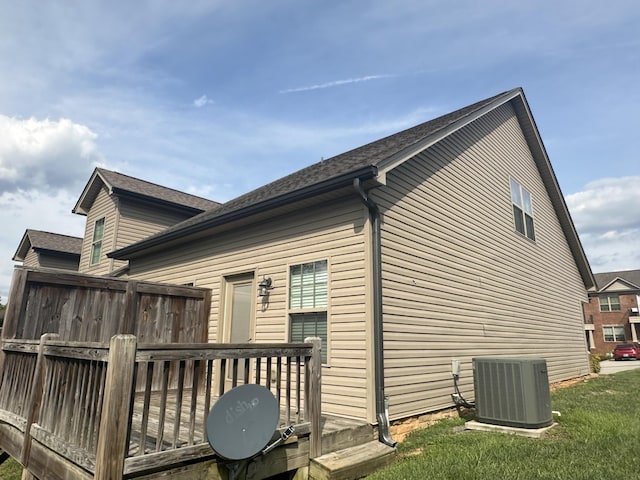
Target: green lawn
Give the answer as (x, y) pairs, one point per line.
(598, 437)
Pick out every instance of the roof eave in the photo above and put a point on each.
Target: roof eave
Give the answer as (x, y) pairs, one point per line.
(140, 196)
(620, 279)
(80, 207)
(56, 253)
(365, 173)
(23, 248)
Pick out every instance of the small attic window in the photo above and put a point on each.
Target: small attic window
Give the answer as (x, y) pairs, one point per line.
(522, 210)
(96, 245)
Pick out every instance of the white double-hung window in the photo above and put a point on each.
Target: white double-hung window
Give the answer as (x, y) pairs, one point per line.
(614, 333)
(609, 303)
(96, 244)
(522, 210)
(308, 301)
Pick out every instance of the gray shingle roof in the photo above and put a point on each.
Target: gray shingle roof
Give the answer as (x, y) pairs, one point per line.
(353, 161)
(605, 278)
(370, 154)
(55, 242)
(47, 241)
(125, 183)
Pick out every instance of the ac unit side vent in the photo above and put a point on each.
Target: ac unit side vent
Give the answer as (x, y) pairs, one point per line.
(512, 391)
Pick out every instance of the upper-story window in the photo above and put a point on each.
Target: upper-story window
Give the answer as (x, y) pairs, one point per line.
(609, 303)
(522, 210)
(308, 301)
(96, 245)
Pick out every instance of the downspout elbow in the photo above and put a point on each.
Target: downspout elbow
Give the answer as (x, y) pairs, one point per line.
(382, 401)
(370, 204)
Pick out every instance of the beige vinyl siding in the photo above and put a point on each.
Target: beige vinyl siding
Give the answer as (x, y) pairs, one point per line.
(335, 232)
(126, 222)
(103, 206)
(59, 262)
(617, 286)
(31, 259)
(459, 281)
(140, 219)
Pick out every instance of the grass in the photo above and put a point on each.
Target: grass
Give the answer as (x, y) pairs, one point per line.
(10, 470)
(598, 436)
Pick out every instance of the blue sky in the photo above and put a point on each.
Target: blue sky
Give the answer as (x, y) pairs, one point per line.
(219, 97)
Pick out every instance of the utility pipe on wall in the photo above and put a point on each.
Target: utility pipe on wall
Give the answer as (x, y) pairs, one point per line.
(382, 401)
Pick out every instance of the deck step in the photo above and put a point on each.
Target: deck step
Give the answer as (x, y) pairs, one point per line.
(340, 434)
(351, 463)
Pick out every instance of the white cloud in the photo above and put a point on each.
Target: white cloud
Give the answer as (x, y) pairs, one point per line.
(20, 210)
(607, 204)
(607, 216)
(202, 101)
(43, 166)
(44, 154)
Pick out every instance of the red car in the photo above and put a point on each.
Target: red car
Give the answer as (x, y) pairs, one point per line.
(626, 351)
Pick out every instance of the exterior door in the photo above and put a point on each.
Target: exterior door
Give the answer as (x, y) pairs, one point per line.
(239, 316)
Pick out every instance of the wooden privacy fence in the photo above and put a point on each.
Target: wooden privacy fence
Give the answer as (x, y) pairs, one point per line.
(87, 308)
(92, 410)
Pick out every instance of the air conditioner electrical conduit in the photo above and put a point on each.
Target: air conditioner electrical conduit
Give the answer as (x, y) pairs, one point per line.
(457, 397)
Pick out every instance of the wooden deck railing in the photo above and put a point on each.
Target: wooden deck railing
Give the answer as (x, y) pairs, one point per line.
(125, 409)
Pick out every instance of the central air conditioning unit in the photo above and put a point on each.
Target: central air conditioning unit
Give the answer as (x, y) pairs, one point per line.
(512, 392)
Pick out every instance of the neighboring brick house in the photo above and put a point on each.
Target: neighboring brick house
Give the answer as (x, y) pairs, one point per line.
(611, 316)
(48, 250)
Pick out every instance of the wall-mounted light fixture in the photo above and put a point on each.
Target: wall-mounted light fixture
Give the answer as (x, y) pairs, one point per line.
(264, 286)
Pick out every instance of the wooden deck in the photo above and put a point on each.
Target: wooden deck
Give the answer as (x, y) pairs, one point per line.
(121, 385)
(128, 410)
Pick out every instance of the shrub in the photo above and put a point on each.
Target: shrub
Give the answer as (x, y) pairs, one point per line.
(594, 362)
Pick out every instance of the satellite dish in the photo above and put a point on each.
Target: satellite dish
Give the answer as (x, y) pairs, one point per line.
(242, 421)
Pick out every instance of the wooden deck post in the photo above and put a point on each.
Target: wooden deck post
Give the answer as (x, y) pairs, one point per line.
(313, 396)
(114, 421)
(35, 397)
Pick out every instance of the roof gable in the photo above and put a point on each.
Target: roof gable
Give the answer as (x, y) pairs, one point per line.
(124, 185)
(618, 281)
(371, 162)
(619, 285)
(48, 242)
